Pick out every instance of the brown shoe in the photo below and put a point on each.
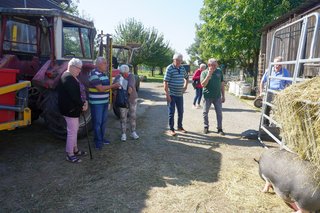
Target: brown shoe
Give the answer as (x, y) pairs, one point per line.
(172, 132)
(182, 130)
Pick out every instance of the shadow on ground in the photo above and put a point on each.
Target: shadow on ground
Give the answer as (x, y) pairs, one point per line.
(34, 176)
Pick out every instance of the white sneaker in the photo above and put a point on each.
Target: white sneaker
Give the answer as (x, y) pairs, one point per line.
(123, 137)
(134, 135)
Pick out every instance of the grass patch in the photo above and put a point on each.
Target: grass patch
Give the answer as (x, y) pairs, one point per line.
(155, 78)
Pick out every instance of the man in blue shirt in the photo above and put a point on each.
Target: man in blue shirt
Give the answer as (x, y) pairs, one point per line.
(175, 84)
(275, 84)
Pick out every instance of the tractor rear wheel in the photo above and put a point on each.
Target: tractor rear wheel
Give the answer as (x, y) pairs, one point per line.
(33, 96)
(55, 122)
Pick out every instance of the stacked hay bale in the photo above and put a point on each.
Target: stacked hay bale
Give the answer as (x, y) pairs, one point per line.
(298, 113)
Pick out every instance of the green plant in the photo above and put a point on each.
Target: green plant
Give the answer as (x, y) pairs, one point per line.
(150, 78)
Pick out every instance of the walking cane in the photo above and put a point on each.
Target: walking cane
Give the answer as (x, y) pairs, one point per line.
(85, 123)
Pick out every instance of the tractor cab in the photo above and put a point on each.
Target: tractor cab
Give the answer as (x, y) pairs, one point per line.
(38, 43)
(31, 37)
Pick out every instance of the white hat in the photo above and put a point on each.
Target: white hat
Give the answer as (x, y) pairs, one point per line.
(177, 56)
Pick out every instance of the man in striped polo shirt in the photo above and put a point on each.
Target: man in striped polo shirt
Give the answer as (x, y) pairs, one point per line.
(175, 84)
(99, 92)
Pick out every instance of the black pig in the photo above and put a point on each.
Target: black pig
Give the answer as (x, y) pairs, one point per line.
(296, 181)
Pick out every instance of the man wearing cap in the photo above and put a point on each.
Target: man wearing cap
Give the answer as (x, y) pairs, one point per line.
(175, 84)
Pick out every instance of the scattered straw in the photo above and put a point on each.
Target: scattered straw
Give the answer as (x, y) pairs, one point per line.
(298, 112)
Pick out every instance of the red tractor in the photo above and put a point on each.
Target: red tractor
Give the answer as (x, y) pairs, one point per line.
(38, 43)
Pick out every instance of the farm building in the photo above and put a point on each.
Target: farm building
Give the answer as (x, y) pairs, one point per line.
(295, 109)
(286, 41)
(51, 4)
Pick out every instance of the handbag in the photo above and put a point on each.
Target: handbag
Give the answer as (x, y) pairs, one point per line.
(195, 83)
(122, 99)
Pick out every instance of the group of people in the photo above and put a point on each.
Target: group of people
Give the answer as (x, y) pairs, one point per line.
(210, 84)
(72, 101)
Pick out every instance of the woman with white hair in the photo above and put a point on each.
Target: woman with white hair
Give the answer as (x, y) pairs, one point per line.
(127, 82)
(72, 102)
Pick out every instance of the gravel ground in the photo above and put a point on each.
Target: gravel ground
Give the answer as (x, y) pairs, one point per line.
(190, 172)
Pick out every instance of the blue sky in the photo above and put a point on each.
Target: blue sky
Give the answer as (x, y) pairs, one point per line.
(174, 19)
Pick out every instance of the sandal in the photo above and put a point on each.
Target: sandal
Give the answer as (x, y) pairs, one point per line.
(80, 153)
(73, 159)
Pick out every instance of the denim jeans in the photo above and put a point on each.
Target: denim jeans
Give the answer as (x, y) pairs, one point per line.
(198, 96)
(99, 113)
(175, 101)
(218, 108)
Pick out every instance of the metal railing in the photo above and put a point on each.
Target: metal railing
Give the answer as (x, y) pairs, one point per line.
(298, 63)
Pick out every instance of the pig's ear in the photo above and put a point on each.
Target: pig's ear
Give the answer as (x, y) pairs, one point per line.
(256, 160)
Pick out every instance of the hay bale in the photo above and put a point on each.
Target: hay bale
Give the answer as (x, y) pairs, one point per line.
(298, 113)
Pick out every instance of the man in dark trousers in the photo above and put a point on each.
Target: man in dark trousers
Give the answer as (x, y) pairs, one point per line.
(175, 84)
(213, 92)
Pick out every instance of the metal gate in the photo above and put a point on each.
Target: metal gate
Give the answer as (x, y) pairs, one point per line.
(299, 45)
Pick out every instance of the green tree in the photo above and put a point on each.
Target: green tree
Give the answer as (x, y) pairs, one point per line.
(194, 51)
(153, 47)
(230, 29)
(132, 31)
(164, 60)
(72, 9)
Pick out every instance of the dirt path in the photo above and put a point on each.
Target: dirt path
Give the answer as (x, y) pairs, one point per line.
(191, 172)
